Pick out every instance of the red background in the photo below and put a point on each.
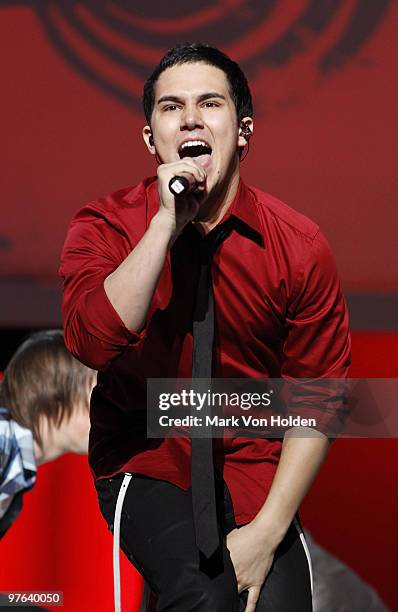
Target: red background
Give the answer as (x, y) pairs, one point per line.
(325, 143)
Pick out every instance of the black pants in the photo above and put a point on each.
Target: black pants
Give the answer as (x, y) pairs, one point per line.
(157, 535)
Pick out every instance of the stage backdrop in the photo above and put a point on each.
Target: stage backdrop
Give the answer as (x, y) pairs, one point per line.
(325, 91)
(324, 86)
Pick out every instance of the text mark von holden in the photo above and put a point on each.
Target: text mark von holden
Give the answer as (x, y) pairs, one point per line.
(236, 421)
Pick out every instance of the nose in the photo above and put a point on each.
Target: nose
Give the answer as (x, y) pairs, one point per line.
(191, 118)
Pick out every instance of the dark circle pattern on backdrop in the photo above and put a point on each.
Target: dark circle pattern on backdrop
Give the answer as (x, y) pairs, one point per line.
(115, 43)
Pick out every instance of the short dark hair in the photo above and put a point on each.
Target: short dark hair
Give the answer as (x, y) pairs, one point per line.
(43, 380)
(187, 53)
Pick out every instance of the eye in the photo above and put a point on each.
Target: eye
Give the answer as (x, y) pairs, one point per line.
(171, 107)
(210, 104)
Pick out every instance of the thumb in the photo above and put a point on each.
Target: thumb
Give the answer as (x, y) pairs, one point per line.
(252, 598)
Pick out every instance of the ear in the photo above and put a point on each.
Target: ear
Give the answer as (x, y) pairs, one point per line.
(245, 131)
(148, 139)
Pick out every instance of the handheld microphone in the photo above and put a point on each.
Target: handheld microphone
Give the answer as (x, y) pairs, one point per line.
(180, 185)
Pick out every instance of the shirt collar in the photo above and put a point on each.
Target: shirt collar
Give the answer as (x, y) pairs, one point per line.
(243, 209)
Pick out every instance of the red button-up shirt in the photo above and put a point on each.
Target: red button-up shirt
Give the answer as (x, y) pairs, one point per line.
(279, 313)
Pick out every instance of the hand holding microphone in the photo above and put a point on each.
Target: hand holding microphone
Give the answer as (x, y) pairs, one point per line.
(179, 183)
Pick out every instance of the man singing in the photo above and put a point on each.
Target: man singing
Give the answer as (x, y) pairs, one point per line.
(202, 276)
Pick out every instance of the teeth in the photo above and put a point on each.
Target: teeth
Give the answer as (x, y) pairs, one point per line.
(194, 143)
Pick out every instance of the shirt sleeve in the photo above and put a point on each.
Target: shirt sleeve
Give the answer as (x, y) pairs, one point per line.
(317, 346)
(94, 332)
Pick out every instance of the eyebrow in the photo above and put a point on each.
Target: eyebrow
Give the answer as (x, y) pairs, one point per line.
(201, 98)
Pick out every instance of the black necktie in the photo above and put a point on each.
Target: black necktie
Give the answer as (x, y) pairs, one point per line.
(202, 467)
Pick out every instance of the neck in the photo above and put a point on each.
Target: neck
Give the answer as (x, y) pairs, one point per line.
(216, 205)
(45, 453)
(69, 437)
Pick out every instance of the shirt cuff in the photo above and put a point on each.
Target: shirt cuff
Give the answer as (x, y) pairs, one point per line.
(103, 321)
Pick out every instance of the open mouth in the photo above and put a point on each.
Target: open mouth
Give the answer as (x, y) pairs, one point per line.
(200, 150)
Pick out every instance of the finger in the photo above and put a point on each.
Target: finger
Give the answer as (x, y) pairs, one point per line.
(195, 182)
(192, 163)
(252, 598)
(187, 166)
(195, 171)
